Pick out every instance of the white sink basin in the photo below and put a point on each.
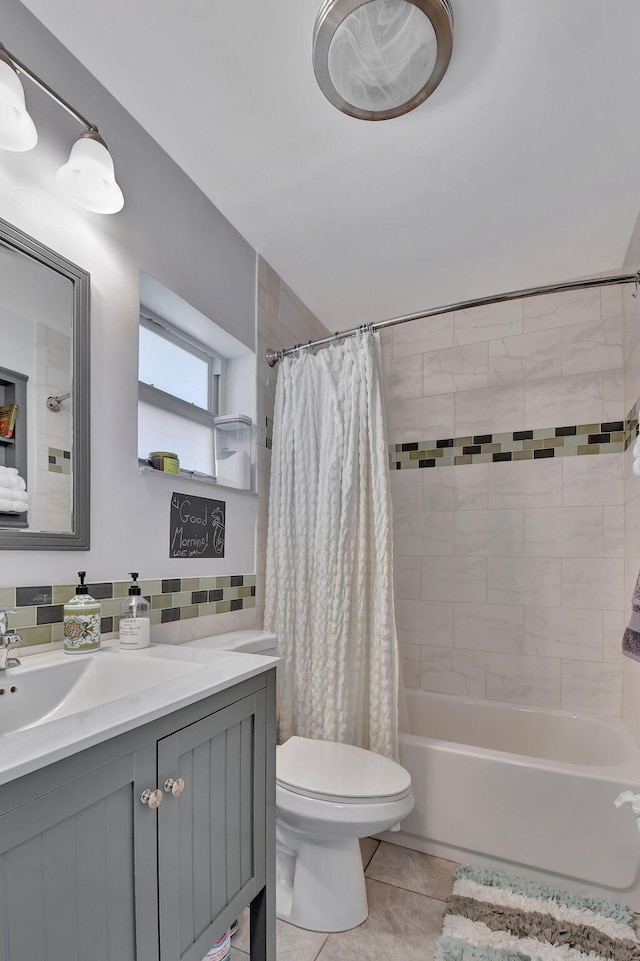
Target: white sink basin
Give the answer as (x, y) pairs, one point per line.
(55, 704)
(35, 694)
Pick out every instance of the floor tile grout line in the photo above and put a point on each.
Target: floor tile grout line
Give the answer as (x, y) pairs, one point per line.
(401, 887)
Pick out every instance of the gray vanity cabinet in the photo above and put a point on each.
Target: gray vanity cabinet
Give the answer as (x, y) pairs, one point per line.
(89, 873)
(75, 865)
(211, 836)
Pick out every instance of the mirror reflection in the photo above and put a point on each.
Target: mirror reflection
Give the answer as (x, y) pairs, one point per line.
(43, 326)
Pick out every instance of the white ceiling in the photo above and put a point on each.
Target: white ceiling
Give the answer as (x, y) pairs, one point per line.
(522, 168)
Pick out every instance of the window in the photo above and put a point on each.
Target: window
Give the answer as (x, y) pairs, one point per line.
(179, 394)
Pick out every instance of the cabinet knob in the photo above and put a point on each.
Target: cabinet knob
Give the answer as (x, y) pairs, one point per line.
(174, 786)
(151, 798)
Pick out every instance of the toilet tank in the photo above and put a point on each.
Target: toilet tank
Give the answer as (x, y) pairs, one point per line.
(248, 642)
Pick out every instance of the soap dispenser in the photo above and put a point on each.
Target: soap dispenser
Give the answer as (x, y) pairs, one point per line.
(81, 620)
(135, 619)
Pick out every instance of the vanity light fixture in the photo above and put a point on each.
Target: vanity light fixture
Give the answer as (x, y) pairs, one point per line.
(378, 59)
(88, 178)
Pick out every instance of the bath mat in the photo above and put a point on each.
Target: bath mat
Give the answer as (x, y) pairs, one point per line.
(493, 916)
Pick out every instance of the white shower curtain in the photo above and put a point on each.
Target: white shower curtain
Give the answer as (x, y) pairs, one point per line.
(329, 589)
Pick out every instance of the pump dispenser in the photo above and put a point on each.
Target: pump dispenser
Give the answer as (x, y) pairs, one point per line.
(81, 620)
(135, 619)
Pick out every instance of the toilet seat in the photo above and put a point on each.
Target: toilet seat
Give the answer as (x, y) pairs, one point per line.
(342, 773)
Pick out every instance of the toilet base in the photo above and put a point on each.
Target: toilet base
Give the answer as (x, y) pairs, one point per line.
(320, 885)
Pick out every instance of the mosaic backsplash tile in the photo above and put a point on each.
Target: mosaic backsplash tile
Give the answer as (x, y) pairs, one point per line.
(59, 461)
(40, 608)
(612, 437)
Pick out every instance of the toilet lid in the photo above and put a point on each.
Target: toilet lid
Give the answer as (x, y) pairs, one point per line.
(329, 769)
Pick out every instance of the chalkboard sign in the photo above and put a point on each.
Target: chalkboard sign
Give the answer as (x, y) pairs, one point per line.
(196, 526)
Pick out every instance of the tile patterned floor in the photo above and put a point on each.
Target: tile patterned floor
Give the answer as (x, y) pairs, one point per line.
(407, 892)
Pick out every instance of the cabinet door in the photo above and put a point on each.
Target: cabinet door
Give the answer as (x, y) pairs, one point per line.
(77, 869)
(211, 846)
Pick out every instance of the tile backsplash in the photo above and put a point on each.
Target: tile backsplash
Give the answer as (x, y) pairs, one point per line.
(40, 607)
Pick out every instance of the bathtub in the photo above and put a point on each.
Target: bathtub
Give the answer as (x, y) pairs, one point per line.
(525, 790)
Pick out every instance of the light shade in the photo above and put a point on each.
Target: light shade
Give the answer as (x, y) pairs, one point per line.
(17, 130)
(88, 178)
(378, 59)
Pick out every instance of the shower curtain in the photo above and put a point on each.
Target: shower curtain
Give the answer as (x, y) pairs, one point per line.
(329, 584)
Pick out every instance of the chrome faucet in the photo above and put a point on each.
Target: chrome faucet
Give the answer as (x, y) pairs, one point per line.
(7, 638)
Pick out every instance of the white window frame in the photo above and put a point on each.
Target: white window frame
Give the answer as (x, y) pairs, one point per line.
(164, 400)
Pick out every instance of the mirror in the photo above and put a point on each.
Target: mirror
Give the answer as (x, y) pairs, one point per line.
(44, 387)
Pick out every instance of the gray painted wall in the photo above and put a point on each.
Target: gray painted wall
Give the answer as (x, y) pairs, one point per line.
(167, 228)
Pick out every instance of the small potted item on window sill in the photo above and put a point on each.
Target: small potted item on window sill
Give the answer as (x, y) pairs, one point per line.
(165, 461)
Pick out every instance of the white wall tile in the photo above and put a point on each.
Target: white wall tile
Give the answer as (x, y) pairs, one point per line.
(410, 664)
(456, 368)
(532, 483)
(593, 346)
(524, 580)
(420, 336)
(631, 696)
(631, 526)
(403, 380)
(408, 577)
(592, 583)
(488, 411)
(592, 688)
(453, 672)
(613, 627)
(513, 360)
(455, 488)
(489, 627)
(523, 680)
(455, 579)
(559, 310)
(426, 418)
(614, 531)
(406, 489)
(427, 533)
(592, 480)
(558, 632)
(488, 323)
(438, 487)
(613, 395)
(563, 400)
(563, 532)
(425, 622)
(611, 301)
(493, 533)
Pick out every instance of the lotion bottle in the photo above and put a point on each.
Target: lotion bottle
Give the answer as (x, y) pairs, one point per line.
(81, 617)
(135, 619)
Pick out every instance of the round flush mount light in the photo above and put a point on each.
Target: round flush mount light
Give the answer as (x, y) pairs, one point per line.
(381, 58)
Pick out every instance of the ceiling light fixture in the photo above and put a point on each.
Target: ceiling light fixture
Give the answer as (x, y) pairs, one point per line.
(88, 178)
(378, 59)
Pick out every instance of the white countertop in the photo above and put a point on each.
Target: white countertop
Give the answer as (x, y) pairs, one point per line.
(204, 672)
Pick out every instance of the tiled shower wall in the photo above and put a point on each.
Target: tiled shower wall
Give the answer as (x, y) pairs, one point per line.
(510, 574)
(631, 313)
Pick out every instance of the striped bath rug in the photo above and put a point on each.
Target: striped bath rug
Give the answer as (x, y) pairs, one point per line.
(492, 916)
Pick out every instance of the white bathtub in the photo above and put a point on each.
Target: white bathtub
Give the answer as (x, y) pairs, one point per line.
(525, 790)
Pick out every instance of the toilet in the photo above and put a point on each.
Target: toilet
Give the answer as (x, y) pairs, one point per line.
(328, 796)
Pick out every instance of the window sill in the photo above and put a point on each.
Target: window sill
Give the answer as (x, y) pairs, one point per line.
(191, 475)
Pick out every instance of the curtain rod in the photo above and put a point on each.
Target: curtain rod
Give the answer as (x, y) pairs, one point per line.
(273, 356)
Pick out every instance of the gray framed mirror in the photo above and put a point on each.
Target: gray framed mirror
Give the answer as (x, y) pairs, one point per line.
(44, 397)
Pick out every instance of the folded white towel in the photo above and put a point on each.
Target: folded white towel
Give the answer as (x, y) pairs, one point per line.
(8, 493)
(9, 477)
(13, 507)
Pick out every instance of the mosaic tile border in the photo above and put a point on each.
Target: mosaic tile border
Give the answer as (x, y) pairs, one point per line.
(59, 461)
(610, 437)
(40, 608)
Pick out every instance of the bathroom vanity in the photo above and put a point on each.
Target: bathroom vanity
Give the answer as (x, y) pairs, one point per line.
(150, 838)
